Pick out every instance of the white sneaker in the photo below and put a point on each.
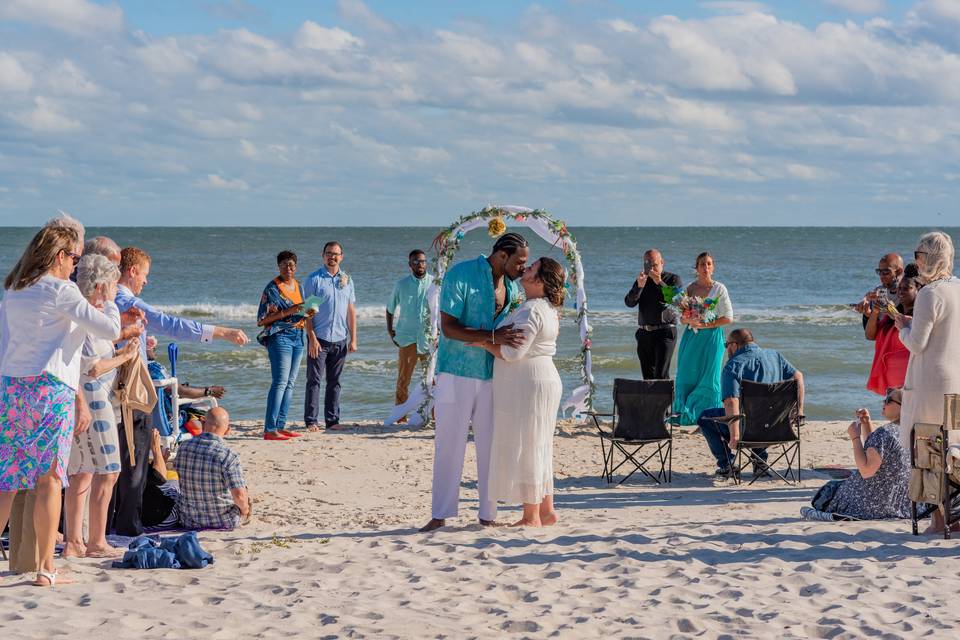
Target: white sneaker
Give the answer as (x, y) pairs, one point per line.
(809, 513)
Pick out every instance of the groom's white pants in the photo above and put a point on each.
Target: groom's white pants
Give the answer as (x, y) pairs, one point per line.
(459, 402)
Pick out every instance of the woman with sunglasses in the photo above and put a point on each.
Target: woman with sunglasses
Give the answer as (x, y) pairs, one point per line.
(877, 490)
(280, 314)
(932, 334)
(44, 321)
(890, 356)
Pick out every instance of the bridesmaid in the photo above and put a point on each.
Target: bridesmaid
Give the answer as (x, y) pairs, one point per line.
(701, 351)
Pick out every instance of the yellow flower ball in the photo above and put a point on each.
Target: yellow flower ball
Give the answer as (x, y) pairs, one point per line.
(496, 228)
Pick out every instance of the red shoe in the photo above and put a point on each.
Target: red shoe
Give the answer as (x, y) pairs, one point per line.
(275, 435)
(289, 434)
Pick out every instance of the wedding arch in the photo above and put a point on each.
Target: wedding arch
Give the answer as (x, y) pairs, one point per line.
(445, 248)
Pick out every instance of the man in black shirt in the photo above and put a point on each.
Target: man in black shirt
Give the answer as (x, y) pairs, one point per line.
(657, 335)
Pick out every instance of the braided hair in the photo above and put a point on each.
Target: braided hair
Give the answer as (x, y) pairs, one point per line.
(509, 243)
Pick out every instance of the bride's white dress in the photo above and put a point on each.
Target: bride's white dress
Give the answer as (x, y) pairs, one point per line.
(526, 398)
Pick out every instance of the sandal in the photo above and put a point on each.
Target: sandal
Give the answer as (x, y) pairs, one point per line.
(51, 577)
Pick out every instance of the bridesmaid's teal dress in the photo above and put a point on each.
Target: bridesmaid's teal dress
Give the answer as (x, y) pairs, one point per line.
(698, 373)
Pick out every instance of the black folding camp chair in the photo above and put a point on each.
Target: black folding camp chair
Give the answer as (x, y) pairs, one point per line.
(642, 417)
(769, 417)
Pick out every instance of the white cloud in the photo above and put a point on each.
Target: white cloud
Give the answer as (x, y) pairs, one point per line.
(46, 117)
(805, 172)
(78, 17)
(622, 26)
(219, 182)
(248, 149)
(312, 36)
(68, 79)
(249, 111)
(357, 11)
(165, 57)
(866, 7)
(13, 77)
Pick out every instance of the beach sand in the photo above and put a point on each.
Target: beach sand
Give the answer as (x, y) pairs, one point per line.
(334, 552)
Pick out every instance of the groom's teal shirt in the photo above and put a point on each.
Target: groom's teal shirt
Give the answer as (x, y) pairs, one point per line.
(467, 295)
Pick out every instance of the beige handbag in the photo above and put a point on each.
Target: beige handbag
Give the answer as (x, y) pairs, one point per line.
(134, 392)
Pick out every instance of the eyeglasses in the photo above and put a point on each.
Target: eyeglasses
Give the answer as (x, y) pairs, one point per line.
(883, 272)
(287, 263)
(73, 256)
(331, 254)
(917, 254)
(418, 262)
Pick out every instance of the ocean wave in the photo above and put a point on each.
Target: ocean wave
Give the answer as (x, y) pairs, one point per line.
(372, 315)
(814, 314)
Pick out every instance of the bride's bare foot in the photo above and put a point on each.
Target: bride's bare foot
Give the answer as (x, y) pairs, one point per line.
(549, 519)
(525, 522)
(74, 550)
(104, 552)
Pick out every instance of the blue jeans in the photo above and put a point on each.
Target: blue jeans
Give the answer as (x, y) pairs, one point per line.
(717, 435)
(285, 350)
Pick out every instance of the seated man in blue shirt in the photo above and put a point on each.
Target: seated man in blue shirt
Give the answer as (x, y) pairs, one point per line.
(746, 361)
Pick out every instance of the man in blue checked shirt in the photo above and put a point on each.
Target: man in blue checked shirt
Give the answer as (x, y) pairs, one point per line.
(331, 334)
(134, 270)
(476, 295)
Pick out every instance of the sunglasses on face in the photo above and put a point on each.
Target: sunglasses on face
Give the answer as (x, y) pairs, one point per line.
(888, 400)
(883, 272)
(73, 256)
(727, 344)
(287, 264)
(330, 254)
(416, 262)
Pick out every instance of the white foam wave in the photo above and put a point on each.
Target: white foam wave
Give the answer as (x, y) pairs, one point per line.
(366, 315)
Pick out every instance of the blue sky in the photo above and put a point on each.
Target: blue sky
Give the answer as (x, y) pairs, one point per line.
(344, 112)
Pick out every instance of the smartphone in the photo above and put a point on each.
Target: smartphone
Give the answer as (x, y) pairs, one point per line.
(647, 266)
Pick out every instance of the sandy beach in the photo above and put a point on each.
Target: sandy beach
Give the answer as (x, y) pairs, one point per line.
(334, 553)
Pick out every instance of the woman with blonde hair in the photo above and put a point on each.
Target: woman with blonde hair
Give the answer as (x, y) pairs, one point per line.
(526, 398)
(932, 334)
(95, 455)
(43, 322)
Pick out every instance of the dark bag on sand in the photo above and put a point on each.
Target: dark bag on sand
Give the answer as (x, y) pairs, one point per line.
(821, 501)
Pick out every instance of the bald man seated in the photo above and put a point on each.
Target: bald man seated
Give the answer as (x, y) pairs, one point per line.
(212, 493)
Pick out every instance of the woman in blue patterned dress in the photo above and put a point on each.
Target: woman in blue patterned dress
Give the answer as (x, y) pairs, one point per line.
(43, 321)
(95, 455)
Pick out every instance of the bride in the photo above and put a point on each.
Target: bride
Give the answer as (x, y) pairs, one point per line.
(526, 398)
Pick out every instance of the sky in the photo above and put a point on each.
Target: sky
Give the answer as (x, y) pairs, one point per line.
(602, 112)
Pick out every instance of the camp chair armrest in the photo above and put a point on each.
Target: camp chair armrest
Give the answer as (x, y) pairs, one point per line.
(729, 419)
(801, 420)
(165, 382)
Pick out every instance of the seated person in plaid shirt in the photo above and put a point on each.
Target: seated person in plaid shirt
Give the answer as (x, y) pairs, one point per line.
(213, 494)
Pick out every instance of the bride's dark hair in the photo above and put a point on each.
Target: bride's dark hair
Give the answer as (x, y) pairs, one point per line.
(553, 277)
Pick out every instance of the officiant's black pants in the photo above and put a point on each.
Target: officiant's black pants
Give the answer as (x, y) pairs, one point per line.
(127, 504)
(655, 350)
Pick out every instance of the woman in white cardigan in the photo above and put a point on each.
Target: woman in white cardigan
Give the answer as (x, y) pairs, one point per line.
(932, 335)
(43, 323)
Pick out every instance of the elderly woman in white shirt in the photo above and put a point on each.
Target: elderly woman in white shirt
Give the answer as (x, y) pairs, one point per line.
(95, 455)
(43, 321)
(932, 335)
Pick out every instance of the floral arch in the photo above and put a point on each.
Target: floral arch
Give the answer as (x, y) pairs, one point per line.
(445, 248)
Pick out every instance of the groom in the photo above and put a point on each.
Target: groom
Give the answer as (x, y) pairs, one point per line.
(476, 295)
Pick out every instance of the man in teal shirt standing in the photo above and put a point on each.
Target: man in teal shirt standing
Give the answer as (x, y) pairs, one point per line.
(406, 325)
(476, 295)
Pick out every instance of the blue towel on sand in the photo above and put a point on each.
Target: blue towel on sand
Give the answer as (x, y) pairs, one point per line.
(152, 552)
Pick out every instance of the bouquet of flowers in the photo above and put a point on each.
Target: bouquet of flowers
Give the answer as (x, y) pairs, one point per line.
(690, 307)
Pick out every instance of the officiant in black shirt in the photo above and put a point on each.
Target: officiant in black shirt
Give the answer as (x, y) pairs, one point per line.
(657, 335)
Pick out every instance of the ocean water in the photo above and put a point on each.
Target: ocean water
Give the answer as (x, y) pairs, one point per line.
(791, 286)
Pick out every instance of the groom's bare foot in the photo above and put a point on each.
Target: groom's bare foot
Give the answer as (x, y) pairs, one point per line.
(433, 525)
